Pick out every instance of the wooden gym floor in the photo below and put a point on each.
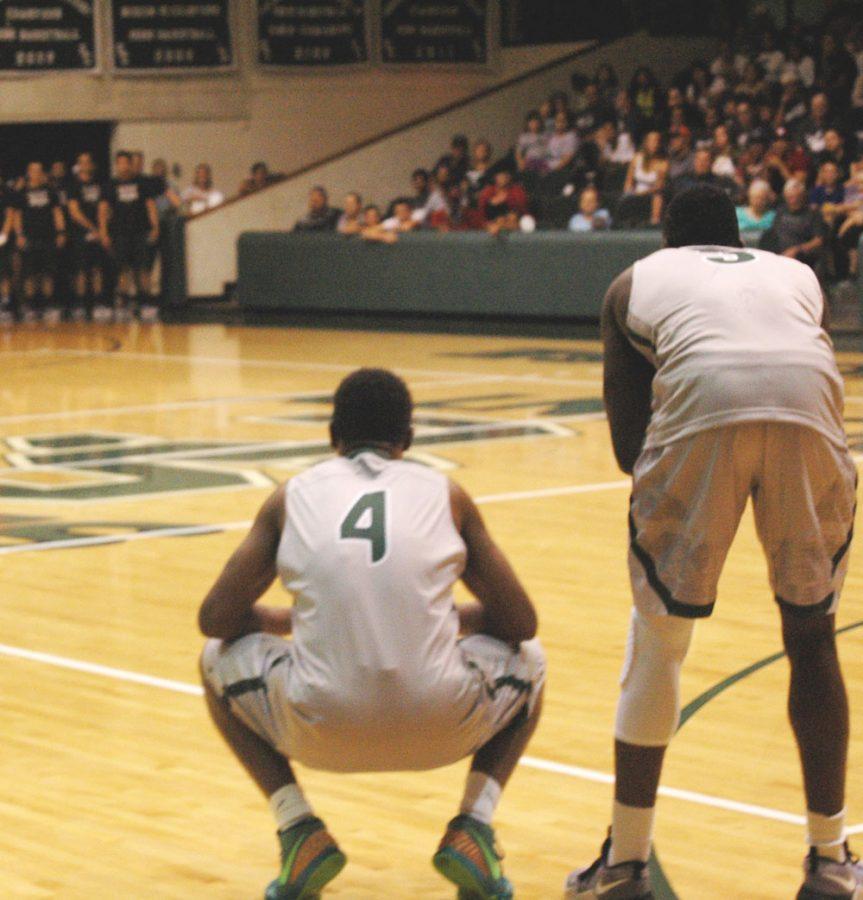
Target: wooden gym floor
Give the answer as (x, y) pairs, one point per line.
(134, 458)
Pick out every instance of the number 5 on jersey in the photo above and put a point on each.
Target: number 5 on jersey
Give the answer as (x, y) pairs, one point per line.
(367, 521)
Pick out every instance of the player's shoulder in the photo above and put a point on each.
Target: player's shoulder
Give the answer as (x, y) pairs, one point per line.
(327, 468)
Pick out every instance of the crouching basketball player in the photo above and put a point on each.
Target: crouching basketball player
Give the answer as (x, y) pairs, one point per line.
(375, 677)
(720, 386)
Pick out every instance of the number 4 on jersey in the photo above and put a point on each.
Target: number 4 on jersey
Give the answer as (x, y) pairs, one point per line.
(367, 521)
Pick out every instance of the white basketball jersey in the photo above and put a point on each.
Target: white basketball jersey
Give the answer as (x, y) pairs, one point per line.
(370, 553)
(735, 335)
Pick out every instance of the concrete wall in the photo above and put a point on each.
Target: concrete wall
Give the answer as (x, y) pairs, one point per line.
(381, 170)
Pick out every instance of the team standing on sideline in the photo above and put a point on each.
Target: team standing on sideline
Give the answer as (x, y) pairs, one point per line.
(720, 384)
(79, 244)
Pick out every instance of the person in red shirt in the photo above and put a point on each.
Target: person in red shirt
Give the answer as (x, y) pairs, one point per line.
(502, 202)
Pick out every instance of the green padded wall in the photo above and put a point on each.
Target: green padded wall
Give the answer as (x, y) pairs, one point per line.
(553, 273)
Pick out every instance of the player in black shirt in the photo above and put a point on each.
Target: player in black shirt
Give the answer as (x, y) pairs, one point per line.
(129, 226)
(88, 256)
(41, 230)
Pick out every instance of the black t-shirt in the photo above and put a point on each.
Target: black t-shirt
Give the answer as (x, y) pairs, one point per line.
(128, 201)
(88, 194)
(37, 213)
(790, 229)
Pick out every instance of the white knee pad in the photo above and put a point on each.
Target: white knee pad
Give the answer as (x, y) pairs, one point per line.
(649, 706)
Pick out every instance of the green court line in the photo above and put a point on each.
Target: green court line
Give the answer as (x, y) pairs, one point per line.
(662, 889)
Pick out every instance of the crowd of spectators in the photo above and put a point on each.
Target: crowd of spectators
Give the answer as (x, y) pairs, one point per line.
(775, 119)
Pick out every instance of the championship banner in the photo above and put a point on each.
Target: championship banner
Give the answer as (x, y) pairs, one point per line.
(47, 36)
(434, 31)
(156, 37)
(311, 32)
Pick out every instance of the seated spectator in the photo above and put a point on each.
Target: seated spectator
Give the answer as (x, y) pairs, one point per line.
(851, 228)
(562, 144)
(752, 84)
(259, 178)
(351, 221)
(729, 64)
(798, 231)
(646, 96)
(320, 216)
(792, 102)
(799, 64)
(457, 160)
(457, 215)
(702, 174)
(438, 196)
(402, 218)
(592, 158)
(594, 112)
(420, 182)
(771, 58)
(645, 181)
(680, 155)
(751, 165)
(532, 145)
(607, 82)
(373, 229)
(757, 214)
(590, 217)
(834, 151)
(201, 195)
(785, 160)
(723, 160)
(836, 72)
(479, 175)
(501, 200)
(746, 128)
(812, 129)
(696, 87)
(829, 189)
(626, 127)
(677, 110)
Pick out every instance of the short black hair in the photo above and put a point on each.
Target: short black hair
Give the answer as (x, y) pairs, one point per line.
(700, 216)
(123, 154)
(374, 406)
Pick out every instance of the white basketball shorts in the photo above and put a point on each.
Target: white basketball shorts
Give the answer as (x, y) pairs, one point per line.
(254, 674)
(688, 497)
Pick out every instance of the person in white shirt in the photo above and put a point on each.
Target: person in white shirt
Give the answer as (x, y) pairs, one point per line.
(201, 195)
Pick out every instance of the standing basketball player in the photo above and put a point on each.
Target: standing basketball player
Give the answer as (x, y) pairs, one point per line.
(375, 678)
(721, 385)
(41, 230)
(129, 227)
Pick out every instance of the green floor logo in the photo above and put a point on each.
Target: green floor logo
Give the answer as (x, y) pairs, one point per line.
(94, 465)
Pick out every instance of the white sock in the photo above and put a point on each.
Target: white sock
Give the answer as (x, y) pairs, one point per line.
(827, 834)
(481, 796)
(289, 806)
(631, 833)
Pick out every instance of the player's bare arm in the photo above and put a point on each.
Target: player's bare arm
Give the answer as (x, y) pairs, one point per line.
(104, 211)
(78, 216)
(627, 377)
(230, 609)
(504, 609)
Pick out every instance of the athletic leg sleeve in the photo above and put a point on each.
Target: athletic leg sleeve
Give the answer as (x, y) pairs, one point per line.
(649, 706)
